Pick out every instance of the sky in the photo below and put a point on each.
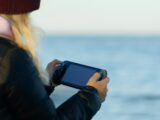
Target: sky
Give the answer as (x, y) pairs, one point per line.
(138, 17)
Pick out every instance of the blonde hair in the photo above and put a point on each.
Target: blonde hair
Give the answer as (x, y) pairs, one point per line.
(23, 33)
(24, 37)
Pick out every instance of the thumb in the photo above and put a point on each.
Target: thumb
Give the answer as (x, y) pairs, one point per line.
(95, 77)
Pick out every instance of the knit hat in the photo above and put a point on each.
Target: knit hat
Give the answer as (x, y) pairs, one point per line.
(18, 6)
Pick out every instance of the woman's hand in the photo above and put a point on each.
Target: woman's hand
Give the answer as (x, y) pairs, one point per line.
(51, 67)
(101, 85)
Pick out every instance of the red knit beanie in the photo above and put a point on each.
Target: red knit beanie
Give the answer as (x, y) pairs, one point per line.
(18, 6)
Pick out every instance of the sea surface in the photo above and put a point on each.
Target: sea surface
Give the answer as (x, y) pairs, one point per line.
(133, 65)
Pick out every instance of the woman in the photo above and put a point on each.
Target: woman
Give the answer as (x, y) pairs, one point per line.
(24, 93)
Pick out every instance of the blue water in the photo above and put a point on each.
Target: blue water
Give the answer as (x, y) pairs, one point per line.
(133, 64)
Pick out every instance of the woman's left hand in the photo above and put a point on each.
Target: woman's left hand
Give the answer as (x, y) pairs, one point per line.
(51, 67)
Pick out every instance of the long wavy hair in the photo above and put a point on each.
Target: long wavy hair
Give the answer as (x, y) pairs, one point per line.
(24, 36)
(23, 33)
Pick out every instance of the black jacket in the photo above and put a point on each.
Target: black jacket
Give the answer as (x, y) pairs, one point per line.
(24, 97)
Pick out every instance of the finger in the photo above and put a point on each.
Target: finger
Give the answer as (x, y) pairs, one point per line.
(104, 81)
(56, 62)
(108, 79)
(95, 77)
(107, 90)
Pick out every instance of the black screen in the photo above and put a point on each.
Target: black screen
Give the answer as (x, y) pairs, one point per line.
(77, 75)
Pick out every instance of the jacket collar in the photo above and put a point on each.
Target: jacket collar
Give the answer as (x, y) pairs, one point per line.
(5, 28)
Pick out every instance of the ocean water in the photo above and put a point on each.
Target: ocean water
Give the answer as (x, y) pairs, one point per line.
(133, 64)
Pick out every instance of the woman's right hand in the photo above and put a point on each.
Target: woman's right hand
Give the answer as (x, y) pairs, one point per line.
(100, 86)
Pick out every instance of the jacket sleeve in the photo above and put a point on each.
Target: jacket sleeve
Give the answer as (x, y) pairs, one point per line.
(49, 89)
(27, 98)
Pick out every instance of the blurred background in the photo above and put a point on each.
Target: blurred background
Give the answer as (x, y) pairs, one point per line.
(122, 36)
